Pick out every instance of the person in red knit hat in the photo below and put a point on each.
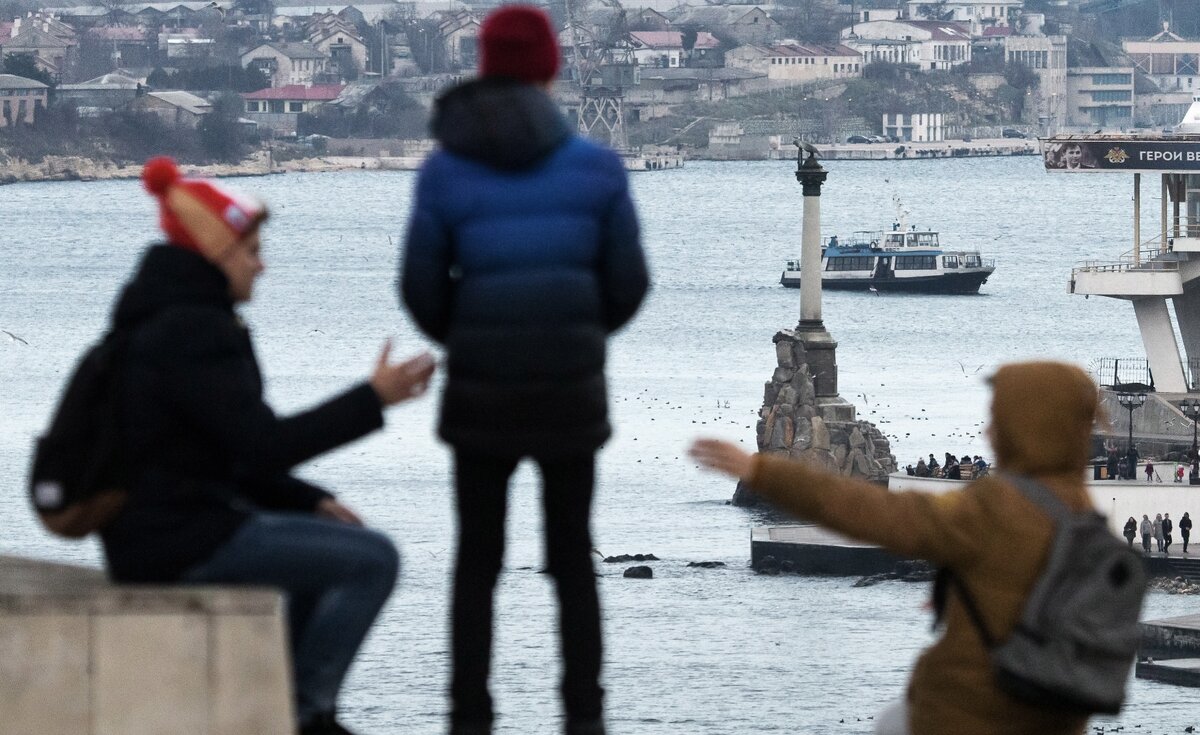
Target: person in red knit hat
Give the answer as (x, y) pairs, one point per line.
(212, 499)
(522, 256)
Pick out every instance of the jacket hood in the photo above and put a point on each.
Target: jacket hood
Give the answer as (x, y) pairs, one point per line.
(171, 276)
(500, 122)
(1042, 416)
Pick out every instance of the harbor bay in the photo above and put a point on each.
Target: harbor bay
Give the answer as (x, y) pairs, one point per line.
(692, 650)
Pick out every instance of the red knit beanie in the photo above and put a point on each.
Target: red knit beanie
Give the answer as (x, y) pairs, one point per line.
(517, 41)
(199, 215)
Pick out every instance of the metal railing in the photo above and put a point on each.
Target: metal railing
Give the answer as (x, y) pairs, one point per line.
(1115, 372)
(1134, 372)
(1151, 257)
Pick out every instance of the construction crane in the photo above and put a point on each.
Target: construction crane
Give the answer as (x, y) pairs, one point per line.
(603, 73)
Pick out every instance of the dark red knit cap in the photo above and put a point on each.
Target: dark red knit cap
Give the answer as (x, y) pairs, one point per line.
(517, 41)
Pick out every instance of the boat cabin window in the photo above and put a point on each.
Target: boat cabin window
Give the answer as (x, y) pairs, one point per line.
(856, 263)
(926, 239)
(972, 261)
(895, 240)
(916, 262)
(793, 265)
(949, 261)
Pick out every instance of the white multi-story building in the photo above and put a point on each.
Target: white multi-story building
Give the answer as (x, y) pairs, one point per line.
(921, 127)
(927, 44)
(1169, 59)
(1045, 56)
(975, 14)
(797, 63)
(1102, 96)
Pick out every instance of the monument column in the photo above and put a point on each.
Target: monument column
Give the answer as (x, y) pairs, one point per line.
(811, 176)
(802, 416)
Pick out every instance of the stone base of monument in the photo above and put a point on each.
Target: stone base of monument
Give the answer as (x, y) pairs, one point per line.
(81, 655)
(803, 417)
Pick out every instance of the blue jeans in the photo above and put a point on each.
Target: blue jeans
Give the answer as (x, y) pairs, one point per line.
(336, 578)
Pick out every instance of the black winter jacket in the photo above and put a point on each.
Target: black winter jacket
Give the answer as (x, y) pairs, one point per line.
(522, 256)
(205, 450)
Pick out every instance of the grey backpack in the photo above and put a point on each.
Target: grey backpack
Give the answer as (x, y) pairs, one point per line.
(1078, 634)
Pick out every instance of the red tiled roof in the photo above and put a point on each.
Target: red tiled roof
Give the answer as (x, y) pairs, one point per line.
(317, 92)
(998, 31)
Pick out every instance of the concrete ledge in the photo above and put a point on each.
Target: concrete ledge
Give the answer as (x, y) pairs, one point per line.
(79, 655)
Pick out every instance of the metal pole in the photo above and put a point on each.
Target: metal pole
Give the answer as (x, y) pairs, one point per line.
(1137, 220)
(1129, 448)
(1162, 244)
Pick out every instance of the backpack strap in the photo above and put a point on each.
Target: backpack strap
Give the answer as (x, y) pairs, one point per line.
(1041, 496)
(946, 579)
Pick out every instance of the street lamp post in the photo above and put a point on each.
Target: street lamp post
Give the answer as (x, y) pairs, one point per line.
(1130, 401)
(1191, 409)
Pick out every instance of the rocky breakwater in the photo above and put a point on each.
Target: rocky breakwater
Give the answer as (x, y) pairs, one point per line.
(798, 422)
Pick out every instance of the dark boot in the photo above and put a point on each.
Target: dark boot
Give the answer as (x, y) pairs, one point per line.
(324, 724)
(594, 727)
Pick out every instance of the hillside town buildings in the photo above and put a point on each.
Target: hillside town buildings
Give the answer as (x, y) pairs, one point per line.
(100, 56)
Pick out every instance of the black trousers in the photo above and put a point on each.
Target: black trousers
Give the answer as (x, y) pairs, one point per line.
(1185, 535)
(481, 485)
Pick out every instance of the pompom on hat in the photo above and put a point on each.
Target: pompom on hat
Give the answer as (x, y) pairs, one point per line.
(517, 41)
(198, 215)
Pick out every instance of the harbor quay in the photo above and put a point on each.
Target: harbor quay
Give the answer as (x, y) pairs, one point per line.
(815, 551)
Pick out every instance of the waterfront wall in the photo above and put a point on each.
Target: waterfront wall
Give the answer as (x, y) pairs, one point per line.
(80, 655)
(1114, 498)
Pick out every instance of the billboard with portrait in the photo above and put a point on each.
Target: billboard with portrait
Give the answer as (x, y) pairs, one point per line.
(1080, 154)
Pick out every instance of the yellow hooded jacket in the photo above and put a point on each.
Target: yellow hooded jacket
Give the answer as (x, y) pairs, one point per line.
(993, 538)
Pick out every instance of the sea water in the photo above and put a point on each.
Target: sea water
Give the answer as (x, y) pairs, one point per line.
(692, 650)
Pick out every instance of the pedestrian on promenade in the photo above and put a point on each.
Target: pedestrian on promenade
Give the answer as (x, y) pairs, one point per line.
(1185, 530)
(1113, 464)
(934, 467)
(211, 499)
(1167, 527)
(522, 256)
(1179, 473)
(1147, 533)
(988, 535)
(1131, 528)
(1123, 468)
(1158, 531)
(1149, 471)
(922, 470)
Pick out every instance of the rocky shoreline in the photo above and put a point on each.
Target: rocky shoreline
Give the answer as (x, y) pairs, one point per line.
(78, 168)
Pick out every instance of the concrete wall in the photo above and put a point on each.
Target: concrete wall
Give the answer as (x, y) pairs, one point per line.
(80, 656)
(1116, 499)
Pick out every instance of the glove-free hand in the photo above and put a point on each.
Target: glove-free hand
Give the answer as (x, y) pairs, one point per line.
(400, 381)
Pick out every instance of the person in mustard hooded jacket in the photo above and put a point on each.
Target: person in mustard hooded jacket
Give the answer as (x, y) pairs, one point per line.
(994, 539)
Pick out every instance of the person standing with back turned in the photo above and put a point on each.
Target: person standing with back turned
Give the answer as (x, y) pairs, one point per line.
(522, 256)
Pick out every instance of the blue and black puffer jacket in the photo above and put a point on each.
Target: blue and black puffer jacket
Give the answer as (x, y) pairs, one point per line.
(522, 256)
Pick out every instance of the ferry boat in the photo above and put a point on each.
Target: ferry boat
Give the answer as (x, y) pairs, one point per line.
(905, 259)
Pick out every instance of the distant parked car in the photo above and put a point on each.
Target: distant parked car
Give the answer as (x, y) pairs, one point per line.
(858, 139)
(1012, 133)
(877, 139)
(894, 139)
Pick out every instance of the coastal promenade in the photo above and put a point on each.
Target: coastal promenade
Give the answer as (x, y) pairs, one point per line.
(812, 550)
(908, 151)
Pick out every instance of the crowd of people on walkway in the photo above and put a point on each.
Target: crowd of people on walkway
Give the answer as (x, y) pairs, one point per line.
(1124, 466)
(1159, 531)
(968, 467)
